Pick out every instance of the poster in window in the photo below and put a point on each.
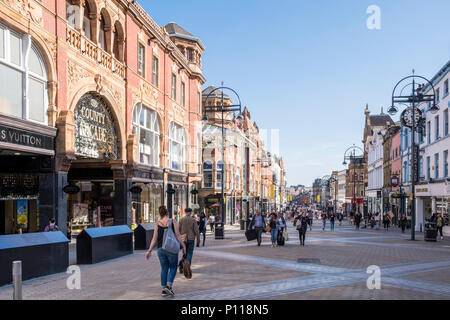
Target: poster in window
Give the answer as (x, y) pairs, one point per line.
(22, 214)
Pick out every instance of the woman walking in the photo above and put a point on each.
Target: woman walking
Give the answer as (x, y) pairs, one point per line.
(281, 226)
(168, 260)
(301, 222)
(273, 228)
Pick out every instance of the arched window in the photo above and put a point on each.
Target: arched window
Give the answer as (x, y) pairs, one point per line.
(87, 20)
(146, 128)
(207, 174)
(72, 12)
(102, 33)
(118, 37)
(177, 147)
(23, 77)
(219, 172)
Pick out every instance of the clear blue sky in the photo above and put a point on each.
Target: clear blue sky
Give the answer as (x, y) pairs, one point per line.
(308, 68)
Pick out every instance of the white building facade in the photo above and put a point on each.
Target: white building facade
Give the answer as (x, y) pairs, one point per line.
(433, 190)
(374, 147)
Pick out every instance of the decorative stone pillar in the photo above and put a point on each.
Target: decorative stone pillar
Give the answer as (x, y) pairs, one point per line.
(122, 195)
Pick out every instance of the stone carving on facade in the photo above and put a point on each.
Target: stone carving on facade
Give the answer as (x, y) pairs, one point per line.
(51, 45)
(75, 73)
(178, 113)
(98, 82)
(149, 93)
(27, 8)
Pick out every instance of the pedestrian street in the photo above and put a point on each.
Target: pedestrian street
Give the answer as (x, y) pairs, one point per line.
(235, 269)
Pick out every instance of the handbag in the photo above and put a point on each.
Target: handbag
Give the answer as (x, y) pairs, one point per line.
(185, 267)
(251, 234)
(170, 241)
(268, 228)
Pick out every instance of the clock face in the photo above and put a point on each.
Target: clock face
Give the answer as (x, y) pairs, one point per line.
(407, 117)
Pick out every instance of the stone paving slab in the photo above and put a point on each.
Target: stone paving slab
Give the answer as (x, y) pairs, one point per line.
(439, 276)
(359, 291)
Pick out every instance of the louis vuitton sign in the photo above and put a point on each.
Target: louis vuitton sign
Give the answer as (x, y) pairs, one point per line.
(95, 136)
(25, 138)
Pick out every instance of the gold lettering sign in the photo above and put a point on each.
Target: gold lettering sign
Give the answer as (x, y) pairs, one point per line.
(95, 136)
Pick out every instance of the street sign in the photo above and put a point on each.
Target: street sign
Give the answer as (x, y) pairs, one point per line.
(394, 181)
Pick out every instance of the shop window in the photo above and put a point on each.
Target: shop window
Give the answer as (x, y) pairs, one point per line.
(146, 128)
(23, 93)
(177, 146)
(207, 174)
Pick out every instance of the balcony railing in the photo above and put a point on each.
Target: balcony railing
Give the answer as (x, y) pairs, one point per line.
(94, 52)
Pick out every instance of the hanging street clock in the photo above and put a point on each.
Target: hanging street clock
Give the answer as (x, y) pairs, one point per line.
(407, 117)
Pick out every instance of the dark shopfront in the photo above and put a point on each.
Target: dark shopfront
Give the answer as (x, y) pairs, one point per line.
(27, 179)
(177, 197)
(145, 204)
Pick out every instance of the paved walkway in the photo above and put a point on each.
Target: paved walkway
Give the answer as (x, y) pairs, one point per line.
(234, 268)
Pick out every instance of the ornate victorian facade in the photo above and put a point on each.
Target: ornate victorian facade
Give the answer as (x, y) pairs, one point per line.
(118, 94)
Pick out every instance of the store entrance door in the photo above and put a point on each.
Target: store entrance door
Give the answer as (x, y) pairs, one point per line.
(92, 206)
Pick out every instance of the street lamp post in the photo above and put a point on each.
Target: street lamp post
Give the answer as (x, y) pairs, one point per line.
(353, 157)
(410, 118)
(222, 108)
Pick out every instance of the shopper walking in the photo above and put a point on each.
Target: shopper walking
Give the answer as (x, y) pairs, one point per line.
(403, 222)
(301, 223)
(51, 226)
(340, 218)
(273, 228)
(168, 260)
(310, 217)
(259, 224)
(324, 220)
(211, 222)
(189, 232)
(377, 221)
(385, 222)
(440, 224)
(358, 218)
(202, 226)
(332, 219)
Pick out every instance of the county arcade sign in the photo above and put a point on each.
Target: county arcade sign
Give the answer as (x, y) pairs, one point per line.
(95, 136)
